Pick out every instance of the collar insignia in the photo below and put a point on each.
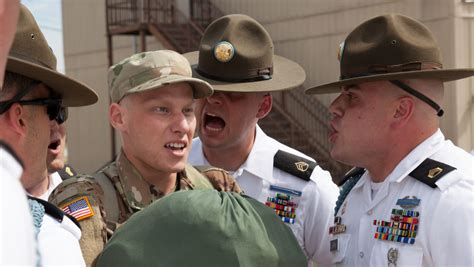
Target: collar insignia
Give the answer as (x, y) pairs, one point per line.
(434, 172)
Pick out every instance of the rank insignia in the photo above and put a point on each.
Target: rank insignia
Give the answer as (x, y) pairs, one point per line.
(284, 203)
(434, 172)
(301, 166)
(79, 208)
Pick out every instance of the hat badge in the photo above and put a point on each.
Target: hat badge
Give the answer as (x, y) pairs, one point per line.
(224, 51)
(340, 50)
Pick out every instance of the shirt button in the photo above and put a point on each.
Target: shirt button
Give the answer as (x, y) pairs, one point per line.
(369, 212)
(361, 254)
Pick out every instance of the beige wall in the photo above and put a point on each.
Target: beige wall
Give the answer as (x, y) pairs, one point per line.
(307, 31)
(85, 56)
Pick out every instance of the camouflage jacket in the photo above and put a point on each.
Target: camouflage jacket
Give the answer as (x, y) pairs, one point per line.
(103, 201)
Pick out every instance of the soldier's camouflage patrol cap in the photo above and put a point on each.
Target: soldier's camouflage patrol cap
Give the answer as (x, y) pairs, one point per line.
(203, 228)
(152, 70)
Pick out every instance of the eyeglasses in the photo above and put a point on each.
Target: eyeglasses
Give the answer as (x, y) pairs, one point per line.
(53, 107)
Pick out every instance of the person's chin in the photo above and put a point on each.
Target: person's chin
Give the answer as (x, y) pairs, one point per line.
(55, 166)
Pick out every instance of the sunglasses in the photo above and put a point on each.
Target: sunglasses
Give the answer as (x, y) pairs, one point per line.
(53, 107)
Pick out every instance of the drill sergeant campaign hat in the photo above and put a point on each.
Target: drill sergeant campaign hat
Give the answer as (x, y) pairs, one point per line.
(203, 228)
(31, 56)
(391, 47)
(152, 70)
(236, 55)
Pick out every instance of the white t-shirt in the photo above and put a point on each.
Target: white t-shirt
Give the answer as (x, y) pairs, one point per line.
(54, 181)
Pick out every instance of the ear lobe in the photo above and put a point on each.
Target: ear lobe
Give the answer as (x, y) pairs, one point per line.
(265, 106)
(403, 112)
(116, 116)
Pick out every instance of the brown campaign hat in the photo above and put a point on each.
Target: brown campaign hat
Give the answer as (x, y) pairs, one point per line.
(390, 47)
(236, 55)
(31, 56)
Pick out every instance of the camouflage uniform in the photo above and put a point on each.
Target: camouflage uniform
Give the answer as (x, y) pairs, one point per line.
(118, 191)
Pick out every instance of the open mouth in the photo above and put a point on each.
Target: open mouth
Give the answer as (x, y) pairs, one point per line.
(54, 145)
(213, 122)
(178, 146)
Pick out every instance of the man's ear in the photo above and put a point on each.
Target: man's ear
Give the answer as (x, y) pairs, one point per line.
(16, 119)
(265, 106)
(116, 116)
(404, 109)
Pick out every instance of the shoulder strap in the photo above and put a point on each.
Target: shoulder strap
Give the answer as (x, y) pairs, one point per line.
(104, 179)
(350, 180)
(430, 171)
(293, 164)
(199, 180)
(53, 211)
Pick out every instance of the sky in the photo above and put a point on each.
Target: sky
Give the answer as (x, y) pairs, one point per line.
(48, 16)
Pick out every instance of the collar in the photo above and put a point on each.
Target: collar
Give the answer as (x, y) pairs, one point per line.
(412, 160)
(136, 190)
(255, 163)
(260, 159)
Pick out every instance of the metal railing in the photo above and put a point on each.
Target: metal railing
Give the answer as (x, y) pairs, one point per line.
(203, 12)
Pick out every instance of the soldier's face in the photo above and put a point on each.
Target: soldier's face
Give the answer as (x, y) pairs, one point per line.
(360, 123)
(157, 127)
(227, 120)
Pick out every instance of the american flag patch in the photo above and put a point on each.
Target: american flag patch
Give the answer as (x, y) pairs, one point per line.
(79, 208)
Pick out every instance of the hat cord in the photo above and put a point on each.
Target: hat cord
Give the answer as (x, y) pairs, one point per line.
(422, 97)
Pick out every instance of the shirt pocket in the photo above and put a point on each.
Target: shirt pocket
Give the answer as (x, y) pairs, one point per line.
(339, 254)
(404, 255)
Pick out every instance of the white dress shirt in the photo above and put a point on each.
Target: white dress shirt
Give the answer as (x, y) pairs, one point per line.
(17, 238)
(315, 210)
(59, 243)
(445, 234)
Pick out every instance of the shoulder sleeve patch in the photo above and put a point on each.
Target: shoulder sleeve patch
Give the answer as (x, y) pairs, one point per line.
(293, 164)
(67, 172)
(80, 208)
(430, 171)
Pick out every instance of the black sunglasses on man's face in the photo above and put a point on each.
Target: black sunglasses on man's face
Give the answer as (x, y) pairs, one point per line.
(53, 107)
